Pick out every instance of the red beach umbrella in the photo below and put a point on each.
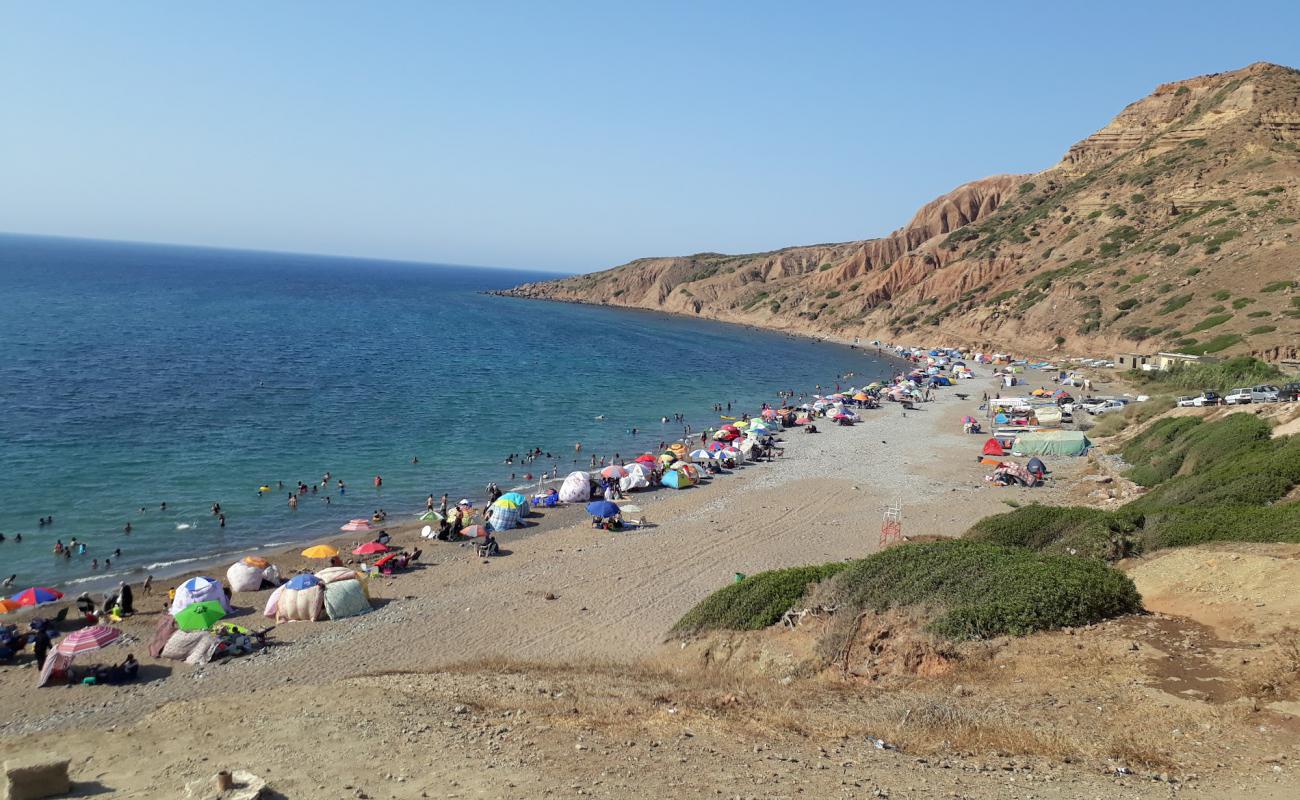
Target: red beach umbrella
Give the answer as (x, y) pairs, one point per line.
(370, 548)
(87, 639)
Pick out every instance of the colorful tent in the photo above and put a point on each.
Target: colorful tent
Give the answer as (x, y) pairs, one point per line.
(198, 590)
(993, 448)
(638, 477)
(504, 518)
(677, 479)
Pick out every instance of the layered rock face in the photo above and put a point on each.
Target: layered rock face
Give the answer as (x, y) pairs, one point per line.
(1174, 228)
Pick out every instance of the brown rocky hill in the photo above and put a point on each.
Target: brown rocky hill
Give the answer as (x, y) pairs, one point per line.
(1175, 227)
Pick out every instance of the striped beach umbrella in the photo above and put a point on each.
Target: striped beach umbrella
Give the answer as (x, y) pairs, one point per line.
(87, 639)
(614, 471)
(35, 596)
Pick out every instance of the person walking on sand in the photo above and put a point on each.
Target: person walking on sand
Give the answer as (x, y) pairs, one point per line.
(146, 588)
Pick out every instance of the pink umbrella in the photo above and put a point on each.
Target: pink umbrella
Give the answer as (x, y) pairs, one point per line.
(614, 471)
(370, 548)
(87, 639)
(357, 525)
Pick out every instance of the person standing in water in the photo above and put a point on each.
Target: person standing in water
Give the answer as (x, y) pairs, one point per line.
(379, 481)
(127, 529)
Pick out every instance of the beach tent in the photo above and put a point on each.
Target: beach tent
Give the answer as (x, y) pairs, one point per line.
(345, 599)
(286, 604)
(690, 469)
(504, 518)
(576, 488)
(1048, 416)
(521, 502)
(993, 448)
(198, 590)
(1052, 443)
(638, 477)
(678, 479)
(247, 575)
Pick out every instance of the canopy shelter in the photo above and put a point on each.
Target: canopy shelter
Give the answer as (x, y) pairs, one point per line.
(1052, 443)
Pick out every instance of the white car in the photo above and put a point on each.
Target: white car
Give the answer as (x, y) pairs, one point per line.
(1107, 407)
(1249, 394)
(1187, 402)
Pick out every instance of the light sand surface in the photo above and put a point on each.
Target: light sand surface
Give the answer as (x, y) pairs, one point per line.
(616, 595)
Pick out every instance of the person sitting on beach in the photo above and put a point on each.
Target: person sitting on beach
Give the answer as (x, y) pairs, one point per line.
(489, 547)
(383, 537)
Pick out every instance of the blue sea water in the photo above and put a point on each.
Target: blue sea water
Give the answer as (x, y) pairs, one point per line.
(132, 375)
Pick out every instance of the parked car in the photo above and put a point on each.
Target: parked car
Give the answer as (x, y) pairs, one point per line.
(1253, 394)
(1289, 392)
(1107, 407)
(1207, 399)
(1186, 402)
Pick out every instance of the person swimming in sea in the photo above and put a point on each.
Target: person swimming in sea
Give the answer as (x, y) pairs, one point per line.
(8, 582)
(127, 529)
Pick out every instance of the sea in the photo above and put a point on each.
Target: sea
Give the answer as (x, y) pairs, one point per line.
(133, 376)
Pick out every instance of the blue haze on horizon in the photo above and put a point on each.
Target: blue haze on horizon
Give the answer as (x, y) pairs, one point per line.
(563, 136)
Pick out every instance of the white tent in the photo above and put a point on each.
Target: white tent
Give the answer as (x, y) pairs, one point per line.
(245, 577)
(197, 590)
(576, 488)
(638, 477)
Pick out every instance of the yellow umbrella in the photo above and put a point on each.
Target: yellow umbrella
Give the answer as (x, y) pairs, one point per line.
(861, 397)
(6, 606)
(321, 551)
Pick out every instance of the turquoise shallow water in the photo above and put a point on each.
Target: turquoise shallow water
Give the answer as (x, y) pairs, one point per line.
(132, 375)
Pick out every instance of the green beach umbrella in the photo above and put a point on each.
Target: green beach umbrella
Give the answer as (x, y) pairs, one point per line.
(199, 616)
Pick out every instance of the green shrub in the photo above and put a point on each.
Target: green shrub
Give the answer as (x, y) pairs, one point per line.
(1063, 530)
(1212, 321)
(832, 294)
(1127, 303)
(1171, 249)
(1221, 342)
(1174, 303)
(1277, 286)
(1260, 313)
(1190, 271)
(1242, 302)
(1222, 294)
(1260, 329)
(981, 590)
(1137, 198)
(1193, 526)
(755, 602)
(824, 267)
(1026, 187)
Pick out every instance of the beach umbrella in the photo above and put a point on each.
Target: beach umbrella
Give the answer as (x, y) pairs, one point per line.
(431, 516)
(474, 531)
(35, 596)
(726, 434)
(87, 639)
(967, 420)
(386, 559)
(256, 561)
(614, 471)
(704, 454)
(768, 413)
(862, 397)
(199, 616)
(7, 605)
(602, 508)
(646, 458)
(716, 446)
(357, 525)
(667, 458)
(370, 548)
(301, 581)
(519, 500)
(321, 551)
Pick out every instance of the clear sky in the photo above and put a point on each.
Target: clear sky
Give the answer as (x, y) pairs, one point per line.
(563, 135)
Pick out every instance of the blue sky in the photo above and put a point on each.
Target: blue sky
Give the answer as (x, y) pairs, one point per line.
(562, 135)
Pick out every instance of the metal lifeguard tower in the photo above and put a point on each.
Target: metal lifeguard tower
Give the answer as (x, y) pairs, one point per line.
(891, 525)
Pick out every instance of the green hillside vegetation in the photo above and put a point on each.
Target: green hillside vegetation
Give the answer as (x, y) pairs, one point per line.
(1209, 481)
(1221, 377)
(968, 590)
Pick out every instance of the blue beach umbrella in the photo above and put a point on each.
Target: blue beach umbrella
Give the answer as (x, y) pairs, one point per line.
(602, 508)
(303, 581)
